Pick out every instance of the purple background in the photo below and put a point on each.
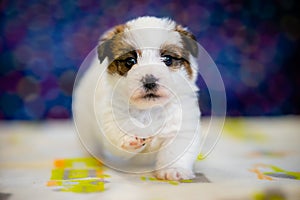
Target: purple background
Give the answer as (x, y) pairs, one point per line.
(255, 45)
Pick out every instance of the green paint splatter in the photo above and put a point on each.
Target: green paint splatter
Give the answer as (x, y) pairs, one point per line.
(200, 157)
(80, 175)
(173, 182)
(270, 194)
(77, 163)
(57, 174)
(186, 181)
(82, 186)
(152, 179)
(288, 174)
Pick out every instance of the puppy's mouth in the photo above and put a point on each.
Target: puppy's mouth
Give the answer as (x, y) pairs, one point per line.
(150, 96)
(144, 100)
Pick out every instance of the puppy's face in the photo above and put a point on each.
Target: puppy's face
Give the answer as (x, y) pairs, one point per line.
(148, 58)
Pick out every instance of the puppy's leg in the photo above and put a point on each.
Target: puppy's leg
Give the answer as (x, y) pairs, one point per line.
(121, 144)
(182, 168)
(134, 144)
(126, 146)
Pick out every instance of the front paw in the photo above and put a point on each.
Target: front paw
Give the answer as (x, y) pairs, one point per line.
(174, 174)
(133, 144)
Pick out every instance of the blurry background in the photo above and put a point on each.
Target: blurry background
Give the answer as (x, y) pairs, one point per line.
(255, 45)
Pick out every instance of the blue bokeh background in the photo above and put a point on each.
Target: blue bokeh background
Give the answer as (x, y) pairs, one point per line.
(255, 45)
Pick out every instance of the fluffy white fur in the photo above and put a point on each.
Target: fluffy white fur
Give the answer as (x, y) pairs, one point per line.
(119, 126)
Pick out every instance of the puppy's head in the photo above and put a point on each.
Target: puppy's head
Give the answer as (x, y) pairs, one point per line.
(148, 58)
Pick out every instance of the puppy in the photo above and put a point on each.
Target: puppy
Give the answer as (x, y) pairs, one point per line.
(137, 102)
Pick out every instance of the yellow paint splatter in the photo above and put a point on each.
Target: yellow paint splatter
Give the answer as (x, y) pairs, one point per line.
(200, 157)
(143, 178)
(83, 186)
(81, 175)
(237, 128)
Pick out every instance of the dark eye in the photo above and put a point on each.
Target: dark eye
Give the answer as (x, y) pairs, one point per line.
(129, 62)
(168, 60)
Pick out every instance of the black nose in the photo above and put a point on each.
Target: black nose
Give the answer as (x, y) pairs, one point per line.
(150, 86)
(149, 82)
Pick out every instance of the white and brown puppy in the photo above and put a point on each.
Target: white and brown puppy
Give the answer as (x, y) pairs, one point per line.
(141, 97)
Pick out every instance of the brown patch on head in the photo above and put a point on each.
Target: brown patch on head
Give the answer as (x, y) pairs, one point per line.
(179, 58)
(188, 68)
(172, 50)
(188, 39)
(139, 52)
(119, 65)
(113, 46)
(104, 48)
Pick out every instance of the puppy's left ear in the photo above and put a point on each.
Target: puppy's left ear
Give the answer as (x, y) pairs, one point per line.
(189, 40)
(106, 41)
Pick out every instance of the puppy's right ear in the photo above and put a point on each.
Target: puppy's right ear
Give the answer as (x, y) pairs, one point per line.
(188, 39)
(104, 48)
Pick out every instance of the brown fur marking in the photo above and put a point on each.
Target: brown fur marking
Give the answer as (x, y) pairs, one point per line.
(172, 50)
(190, 44)
(189, 40)
(118, 64)
(117, 50)
(113, 46)
(181, 55)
